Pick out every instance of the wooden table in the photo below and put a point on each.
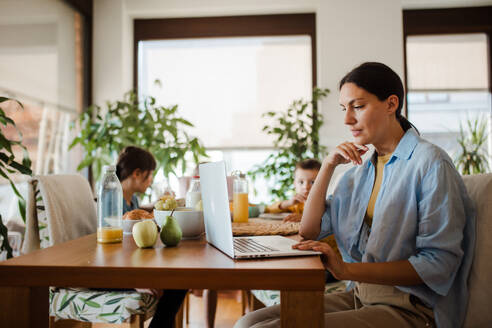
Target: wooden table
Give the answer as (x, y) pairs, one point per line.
(193, 264)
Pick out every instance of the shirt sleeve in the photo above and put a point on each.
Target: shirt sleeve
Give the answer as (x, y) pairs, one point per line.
(326, 226)
(441, 222)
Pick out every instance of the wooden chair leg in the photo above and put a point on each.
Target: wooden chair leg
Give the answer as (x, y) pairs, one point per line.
(187, 308)
(68, 323)
(52, 322)
(178, 323)
(137, 321)
(243, 302)
(254, 303)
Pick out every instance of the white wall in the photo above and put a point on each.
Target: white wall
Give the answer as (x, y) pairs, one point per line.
(43, 33)
(349, 32)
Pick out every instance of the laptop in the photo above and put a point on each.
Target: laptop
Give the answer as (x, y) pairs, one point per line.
(218, 225)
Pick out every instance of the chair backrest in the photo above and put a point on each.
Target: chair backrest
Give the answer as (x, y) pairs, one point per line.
(68, 205)
(479, 312)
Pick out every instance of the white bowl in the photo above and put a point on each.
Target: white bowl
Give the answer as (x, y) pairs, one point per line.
(128, 225)
(189, 220)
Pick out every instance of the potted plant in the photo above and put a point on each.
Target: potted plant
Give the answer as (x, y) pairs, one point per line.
(158, 129)
(8, 166)
(296, 137)
(472, 157)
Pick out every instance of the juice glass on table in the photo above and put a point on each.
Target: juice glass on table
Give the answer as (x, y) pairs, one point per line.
(240, 199)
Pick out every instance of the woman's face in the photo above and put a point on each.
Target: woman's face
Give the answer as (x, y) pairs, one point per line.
(144, 179)
(367, 117)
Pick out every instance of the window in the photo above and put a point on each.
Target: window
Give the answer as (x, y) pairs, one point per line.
(447, 85)
(448, 71)
(225, 75)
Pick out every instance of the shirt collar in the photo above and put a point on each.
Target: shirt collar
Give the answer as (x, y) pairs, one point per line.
(404, 149)
(407, 144)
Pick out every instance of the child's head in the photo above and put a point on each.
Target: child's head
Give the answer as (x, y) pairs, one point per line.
(305, 174)
(136, 164)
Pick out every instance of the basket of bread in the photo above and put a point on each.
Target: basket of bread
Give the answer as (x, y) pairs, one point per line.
(130, 218)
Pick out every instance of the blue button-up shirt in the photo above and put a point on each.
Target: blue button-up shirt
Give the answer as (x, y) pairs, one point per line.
(422, 214)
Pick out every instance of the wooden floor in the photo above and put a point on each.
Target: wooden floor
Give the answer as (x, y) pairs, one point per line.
(228, 312)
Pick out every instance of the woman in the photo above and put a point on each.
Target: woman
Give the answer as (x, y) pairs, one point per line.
(135, 169)
(403, 221)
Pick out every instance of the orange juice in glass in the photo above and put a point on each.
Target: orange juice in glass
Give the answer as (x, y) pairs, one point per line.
(240, 207)
(106, 235)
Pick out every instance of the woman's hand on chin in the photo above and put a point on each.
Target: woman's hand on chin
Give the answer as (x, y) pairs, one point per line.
(345, 153)
(331, 260)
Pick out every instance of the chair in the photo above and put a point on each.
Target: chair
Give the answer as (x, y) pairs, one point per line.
(61, 208)
(478, 312)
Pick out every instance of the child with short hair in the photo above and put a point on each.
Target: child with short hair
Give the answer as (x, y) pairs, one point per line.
(304, 175)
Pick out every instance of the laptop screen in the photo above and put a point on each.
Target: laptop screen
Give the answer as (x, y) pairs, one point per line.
(216, 211)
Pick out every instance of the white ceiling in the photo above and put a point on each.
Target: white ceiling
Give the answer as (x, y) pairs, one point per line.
(428, 4)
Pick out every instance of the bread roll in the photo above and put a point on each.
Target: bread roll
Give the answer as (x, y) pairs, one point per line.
(138, 214)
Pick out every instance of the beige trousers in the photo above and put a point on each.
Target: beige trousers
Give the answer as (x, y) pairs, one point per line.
(367, 305)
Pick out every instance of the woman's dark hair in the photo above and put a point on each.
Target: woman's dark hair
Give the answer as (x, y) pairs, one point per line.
(381, 81)
(132, 158)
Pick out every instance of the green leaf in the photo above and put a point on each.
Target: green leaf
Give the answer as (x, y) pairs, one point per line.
(90, 303)
(107, 314)
(65, 302)
(114, 300)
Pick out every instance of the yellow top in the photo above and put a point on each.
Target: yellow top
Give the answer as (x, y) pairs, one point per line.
(381, 162)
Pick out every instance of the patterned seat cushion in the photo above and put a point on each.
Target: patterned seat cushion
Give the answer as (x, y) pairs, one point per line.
(88, 305)
(272, 297)
(99, 306)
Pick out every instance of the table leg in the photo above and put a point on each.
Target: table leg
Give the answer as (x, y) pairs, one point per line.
(301, 309)
(24, 307)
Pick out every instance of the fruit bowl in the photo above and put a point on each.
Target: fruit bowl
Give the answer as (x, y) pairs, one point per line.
(190, 221)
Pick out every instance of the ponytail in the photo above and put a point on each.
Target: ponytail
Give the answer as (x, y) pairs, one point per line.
(404, 123)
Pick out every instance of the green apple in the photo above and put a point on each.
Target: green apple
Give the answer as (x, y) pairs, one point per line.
(171, 232)
(145, 233)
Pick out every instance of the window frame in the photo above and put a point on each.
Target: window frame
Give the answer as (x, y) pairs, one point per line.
(224, 26)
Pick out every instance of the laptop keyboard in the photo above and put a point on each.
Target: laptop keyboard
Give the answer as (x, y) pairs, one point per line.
(248, 245)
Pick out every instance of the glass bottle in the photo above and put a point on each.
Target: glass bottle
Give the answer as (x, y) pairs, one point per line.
(194, 194)
(240, 198)
(109, 207)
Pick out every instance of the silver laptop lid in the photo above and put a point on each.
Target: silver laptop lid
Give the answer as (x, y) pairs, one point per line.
(216, 211)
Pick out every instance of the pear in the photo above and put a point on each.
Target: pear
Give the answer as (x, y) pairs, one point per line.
(171, 232)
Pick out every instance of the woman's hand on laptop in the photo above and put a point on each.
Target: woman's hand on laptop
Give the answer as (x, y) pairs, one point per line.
(330, 259)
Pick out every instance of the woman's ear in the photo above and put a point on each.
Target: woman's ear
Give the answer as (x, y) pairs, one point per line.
(393, 103)
(136, 173)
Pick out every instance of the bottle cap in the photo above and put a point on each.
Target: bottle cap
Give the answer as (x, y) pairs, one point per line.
(109, 168)
(196, 177)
